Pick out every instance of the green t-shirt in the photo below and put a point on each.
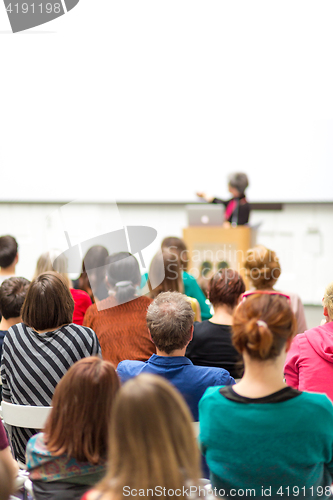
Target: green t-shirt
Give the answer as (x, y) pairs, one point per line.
(284, 448)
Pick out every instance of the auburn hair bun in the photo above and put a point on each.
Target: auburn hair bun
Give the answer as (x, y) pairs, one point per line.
(259, 338)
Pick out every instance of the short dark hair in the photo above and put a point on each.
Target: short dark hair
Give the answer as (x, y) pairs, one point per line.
(12, 295)
(123, 268)
(169, 319)
(225, 287)
(8, 250)
(49, 303)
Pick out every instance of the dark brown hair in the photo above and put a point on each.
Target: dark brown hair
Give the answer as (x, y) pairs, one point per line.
(8, 250)
(49, 303)
(262, 324)
(12, 295)
(262, 267)
(169, 319)
(94, 262)
(225, 287)
(81, 407)
(178, 247)
(164, 273)
(123, 274)
(152, 441)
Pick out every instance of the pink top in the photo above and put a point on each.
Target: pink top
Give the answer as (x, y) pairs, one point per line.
(309, 364)
(3, 438)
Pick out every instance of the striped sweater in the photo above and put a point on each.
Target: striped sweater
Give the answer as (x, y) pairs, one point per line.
(33, 363)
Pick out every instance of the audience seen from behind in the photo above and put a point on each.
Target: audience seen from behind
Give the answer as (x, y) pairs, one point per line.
(69, 456)
(8, 257)
(152, 445)
(211, 344)
(92, 277)
(165, 276)
(191, 287)
(12, 295)
(170, 323)
(263, 270)
(270, 436)
(309, 365)
(56, 261)
(42, 348)
(120, 320)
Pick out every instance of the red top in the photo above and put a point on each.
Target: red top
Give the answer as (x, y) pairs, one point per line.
(121, 329)
(3, 438)
(81, 303)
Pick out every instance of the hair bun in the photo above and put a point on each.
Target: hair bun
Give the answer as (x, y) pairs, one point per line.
(260, 337)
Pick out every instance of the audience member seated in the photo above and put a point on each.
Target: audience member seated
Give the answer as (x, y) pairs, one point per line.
(211, 344)
(261, 434)
(8, 257)
(263, 270)
(55, 261)
(93, 265)
(12, 295)
(152, 444)
(309, 365)
(165, 276)
(6, 458)
(170, 323)
(120, 320)
(70, 455)
(40, 350)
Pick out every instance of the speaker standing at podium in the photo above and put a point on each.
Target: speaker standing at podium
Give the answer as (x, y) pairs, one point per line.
(237, 210)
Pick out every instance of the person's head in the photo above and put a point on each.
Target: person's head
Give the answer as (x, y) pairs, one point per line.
(93, 271)
(48, 303)
(53, 260)
(152, 441)
(237, 183)
(6, 481)
(328, 302)
(178, 247)
(8, 251)
(165, 273)
(262, 267)
(170, 321)
(263, 325)
(123, 276)
(12, 295)
(81, 410)
(225, 288)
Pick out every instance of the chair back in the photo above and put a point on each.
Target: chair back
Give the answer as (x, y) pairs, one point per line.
(31, 417)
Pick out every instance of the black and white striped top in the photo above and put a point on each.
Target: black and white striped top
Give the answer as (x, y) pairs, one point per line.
(33, 363)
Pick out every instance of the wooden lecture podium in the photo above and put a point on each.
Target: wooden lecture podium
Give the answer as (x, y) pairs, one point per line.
(218, 246)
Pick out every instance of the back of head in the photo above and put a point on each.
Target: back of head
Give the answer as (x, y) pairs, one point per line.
(262, 324)
(48, 303)
(178, 247)
(226, 287)
(170, 319)
(151, 440)
(123, 275)
(53, 260)
(239, 181)
(12, 295)
(81, 407)
(262, 267)
(8, 251)
(165, 273)
(6, 481)
(328, 300)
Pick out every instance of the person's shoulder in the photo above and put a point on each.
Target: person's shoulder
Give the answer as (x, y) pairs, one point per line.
(188, 277)
(129, 366)
(213, 374)
(80, 294)
(211, 393)
(318, 407)
(79, 329)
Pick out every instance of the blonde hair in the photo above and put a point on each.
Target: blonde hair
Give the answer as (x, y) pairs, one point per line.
(46, 261)
(152, 441)
(328, 300)
(262, 267)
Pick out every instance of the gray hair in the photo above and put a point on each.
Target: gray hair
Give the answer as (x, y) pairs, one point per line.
(169, 319)
(239, 181)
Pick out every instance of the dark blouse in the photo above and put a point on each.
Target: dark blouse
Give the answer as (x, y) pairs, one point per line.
(212, 346)
(239, 209)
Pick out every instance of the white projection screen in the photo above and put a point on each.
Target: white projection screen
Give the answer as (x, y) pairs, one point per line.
(151, 101)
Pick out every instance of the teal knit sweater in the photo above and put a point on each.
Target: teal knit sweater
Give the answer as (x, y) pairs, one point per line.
(285, 448)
